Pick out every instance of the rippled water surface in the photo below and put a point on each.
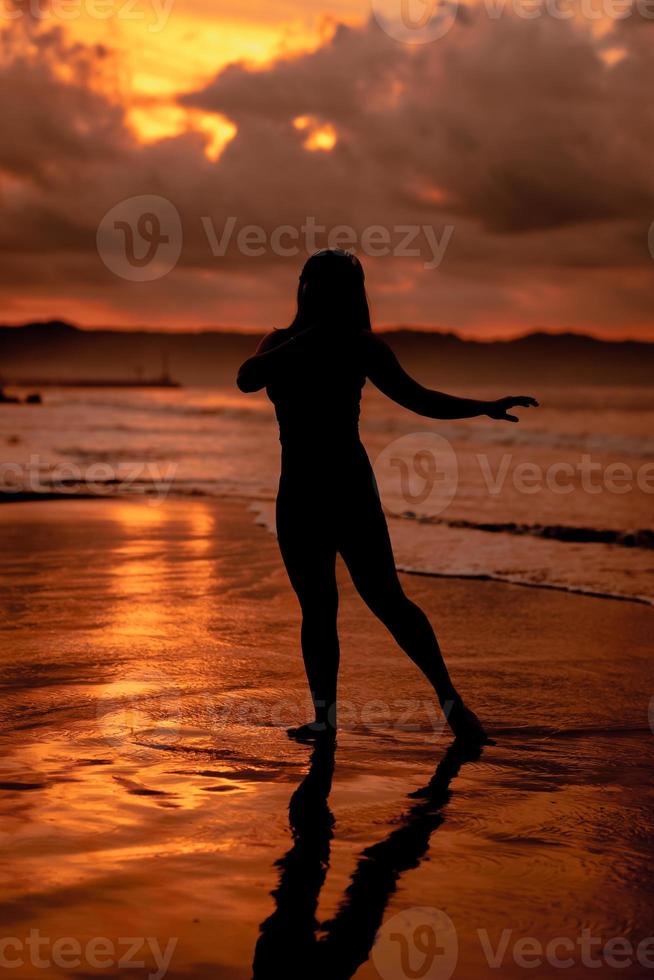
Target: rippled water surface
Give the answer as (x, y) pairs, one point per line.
(564, 499)
(149, 668)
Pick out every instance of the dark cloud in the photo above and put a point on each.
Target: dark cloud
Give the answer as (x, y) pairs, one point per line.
(518, 132)
(520, 123)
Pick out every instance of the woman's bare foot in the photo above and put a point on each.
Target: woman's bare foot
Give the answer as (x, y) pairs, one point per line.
(312, 732)
(465, 724)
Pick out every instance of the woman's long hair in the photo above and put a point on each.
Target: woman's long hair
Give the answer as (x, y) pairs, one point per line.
(332, 291)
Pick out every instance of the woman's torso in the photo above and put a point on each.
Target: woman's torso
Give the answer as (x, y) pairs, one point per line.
(317, 400)
(317, 396)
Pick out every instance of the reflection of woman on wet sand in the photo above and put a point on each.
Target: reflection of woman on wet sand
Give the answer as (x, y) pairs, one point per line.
(288, 945)
(314, 372)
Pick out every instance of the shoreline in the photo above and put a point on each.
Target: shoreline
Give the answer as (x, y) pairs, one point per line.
(571, 589)
(259, 519)
(152, 664)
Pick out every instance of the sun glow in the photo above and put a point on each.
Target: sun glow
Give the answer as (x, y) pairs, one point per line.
(170, 55)
(320, 136)
(153, 122)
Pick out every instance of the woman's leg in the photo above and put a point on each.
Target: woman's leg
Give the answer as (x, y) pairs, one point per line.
(365, 545)
(309, 554)
(367, 552)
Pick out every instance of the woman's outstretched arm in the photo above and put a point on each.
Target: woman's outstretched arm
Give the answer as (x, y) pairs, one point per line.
(386, 372)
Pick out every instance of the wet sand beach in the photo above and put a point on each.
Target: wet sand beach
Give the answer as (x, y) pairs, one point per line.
(150, 666)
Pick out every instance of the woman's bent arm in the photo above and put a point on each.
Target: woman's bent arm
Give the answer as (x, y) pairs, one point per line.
(386, 372)
(272, 353)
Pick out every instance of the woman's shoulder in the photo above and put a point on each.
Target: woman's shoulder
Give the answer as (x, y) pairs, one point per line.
(372, 344)
(272, 339)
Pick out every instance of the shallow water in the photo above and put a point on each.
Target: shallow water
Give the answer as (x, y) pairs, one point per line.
(581, 462)
(150, 666)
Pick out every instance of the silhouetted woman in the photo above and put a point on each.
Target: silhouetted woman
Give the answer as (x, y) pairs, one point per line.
(314, 372)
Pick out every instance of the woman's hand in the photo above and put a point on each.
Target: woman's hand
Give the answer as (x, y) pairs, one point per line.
(500, 409)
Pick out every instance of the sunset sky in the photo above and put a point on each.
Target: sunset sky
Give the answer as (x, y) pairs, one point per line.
(523, 144)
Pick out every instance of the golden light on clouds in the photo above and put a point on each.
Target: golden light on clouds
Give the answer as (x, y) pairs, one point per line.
(169, 54)
(320, 136)
(155, 121)
(464, 133)
(170, 50)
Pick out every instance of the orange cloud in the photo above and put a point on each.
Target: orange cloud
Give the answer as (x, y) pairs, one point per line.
(319, 136)
(519, 135)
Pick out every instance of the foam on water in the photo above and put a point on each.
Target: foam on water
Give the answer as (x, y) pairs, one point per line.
(216, 442)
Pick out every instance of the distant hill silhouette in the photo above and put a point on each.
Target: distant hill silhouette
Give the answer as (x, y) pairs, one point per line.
(59, 350)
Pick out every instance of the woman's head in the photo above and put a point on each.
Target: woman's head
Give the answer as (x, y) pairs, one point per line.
(332, 291)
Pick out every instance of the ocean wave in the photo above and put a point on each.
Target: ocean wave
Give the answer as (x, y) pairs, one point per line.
(617, 444)
(124, 454)
(256, 495)
(227, 406)
(521, 437)
(527, 583)
(242, 412)
(260, 500)
(638, 538)
(641, 538)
